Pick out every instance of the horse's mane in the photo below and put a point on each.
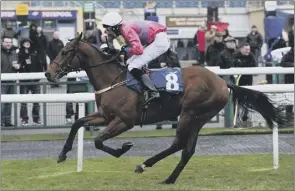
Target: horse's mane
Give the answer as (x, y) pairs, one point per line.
(108, 57)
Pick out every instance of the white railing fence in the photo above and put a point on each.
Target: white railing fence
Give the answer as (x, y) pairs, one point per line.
(80, 98)
(217, 70)
(87, 97)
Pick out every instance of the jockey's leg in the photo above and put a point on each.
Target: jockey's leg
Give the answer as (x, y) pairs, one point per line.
(146, 80)
(159, 46)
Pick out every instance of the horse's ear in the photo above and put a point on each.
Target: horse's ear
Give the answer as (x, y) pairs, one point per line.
(80, 36)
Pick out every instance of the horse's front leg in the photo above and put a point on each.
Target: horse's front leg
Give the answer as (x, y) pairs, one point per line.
(115, 128)
(94, 118)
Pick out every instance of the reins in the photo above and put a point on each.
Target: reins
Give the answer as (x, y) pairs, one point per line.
(108, 61)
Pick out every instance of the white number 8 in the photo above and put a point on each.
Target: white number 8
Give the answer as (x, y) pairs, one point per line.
(172, 82)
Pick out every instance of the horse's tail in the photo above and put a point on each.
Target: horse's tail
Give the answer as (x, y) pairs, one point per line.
(258, 101)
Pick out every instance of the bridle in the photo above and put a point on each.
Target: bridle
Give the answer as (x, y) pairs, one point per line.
(75, 51)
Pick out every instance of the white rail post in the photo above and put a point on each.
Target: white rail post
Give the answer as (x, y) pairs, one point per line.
(275, 143)
(80, 139)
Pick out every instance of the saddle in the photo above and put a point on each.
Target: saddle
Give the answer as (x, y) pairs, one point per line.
(164, 72)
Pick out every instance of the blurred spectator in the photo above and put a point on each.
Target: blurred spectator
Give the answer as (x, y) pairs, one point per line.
(226, 57)
(8, 32)
(226, 34)
(180, 44)
(9, 64)
(245, 58)
(42, 48)
(255, 40)
(53, 49)
(200, 42)
(273, 44)
(213, 51)
(210, 35)
(28, 60)
(276, 43)
(33, 35)
(69, 106)
(54, 46)
(94, 37)
(288, 61)
(97, 36)
(291, 37)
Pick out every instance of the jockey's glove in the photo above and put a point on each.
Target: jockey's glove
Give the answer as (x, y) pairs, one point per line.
(125, 48)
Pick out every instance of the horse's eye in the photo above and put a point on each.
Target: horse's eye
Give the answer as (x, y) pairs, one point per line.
(63, 52)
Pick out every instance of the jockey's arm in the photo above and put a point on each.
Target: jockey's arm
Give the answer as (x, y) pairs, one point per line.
(132, 38)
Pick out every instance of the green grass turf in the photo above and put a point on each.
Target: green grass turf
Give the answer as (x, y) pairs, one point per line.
(234, 172)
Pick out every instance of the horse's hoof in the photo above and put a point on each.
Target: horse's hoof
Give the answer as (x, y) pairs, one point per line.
(166, 182)
(61, 158)
(139, 169)
(126, 146)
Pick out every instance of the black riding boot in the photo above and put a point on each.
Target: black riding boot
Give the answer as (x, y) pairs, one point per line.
(149, 84)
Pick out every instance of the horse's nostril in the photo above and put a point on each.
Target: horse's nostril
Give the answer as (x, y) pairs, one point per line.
(47, 75)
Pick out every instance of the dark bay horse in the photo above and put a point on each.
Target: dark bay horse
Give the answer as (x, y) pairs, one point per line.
(204, 95)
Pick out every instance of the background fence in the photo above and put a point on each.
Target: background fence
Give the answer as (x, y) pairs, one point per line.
(53, 115)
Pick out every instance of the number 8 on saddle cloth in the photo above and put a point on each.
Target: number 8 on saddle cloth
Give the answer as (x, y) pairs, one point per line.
(164, 79)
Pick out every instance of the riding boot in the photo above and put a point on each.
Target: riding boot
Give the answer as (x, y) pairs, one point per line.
(149, 84)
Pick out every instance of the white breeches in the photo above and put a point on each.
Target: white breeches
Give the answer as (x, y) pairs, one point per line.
(159, 46)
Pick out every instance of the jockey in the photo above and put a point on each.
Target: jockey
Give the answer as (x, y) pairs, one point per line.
(146, 40)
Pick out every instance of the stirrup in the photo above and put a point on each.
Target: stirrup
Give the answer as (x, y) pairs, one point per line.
(150, 98)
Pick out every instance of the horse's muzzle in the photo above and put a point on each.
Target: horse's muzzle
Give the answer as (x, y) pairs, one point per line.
(49, 77)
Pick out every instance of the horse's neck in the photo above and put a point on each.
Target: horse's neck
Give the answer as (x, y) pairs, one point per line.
(103, 76)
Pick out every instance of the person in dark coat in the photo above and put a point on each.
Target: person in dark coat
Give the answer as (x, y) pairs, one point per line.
(42, 48)
(213, 50)
(226, 57)
(33, 35)
(8, 31)
(53, 49)
(255, 40)
(245, 58)
(9, 64)
(291, 37)
(274, 44)
(54, 46)
(288, 61)
(281, 43)
(94, 36)
(226, 34)
(28, 60)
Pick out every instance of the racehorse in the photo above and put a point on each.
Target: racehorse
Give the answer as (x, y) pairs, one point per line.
(204, 94)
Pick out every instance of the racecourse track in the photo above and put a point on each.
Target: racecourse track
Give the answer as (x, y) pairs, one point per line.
(144, 147)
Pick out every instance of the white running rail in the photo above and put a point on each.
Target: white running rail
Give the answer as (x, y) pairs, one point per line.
(88, 97)
(217, 70)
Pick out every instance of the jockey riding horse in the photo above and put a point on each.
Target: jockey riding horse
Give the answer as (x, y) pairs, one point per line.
(146, 40)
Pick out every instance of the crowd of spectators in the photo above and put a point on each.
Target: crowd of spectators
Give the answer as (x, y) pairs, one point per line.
(25, 55)
(215, 48)
(28, 55)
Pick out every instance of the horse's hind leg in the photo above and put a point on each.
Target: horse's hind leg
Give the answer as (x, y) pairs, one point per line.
(189, 150)
(116, 127)
(180, 141)
(94, 118)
